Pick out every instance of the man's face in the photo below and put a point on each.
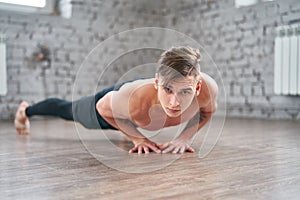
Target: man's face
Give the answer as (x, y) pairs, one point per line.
(176, 96)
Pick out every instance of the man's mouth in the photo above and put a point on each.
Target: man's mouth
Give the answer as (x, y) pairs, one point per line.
(172, 110)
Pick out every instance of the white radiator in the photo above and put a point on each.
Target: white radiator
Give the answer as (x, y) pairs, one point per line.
(287, 60)
(3, 74)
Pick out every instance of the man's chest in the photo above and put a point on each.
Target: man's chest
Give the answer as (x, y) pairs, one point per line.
(156, 118)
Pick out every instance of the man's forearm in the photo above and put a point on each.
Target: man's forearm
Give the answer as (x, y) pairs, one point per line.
(195, 124)
(127, 128)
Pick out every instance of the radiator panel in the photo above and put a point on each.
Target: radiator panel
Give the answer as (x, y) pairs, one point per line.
(286, 60)
(293, 65)
(298, 63)
(3, 74)
(277, 70)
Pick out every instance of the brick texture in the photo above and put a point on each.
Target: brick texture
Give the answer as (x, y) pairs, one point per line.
(240, 42)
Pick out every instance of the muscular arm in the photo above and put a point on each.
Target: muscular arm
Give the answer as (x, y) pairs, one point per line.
(181, 143)
(205, 113)
(116, 113)
(195, 124)
(201, 117)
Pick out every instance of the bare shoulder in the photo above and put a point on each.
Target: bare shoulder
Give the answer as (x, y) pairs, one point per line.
(208, 95)
(210, 84)
(134, 98)
(137, 88)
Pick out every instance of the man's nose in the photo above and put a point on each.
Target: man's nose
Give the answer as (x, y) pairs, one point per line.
(174, 100)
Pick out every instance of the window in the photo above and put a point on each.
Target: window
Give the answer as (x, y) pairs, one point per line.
(61, 7)
(32, 6)
(242, 3)
(32, 3)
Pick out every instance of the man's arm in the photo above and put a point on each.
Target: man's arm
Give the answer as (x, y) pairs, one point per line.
(181, 143)
(116, 115)
(195, 124)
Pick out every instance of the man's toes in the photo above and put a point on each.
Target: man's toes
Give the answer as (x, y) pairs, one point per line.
(22, 131)
(26, 132)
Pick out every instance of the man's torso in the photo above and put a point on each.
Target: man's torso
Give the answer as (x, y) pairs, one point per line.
(145, 110)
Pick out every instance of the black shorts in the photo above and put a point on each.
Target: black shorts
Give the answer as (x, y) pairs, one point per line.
(84, 109)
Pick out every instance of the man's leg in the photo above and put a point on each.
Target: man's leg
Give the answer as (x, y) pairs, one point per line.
(49, 107)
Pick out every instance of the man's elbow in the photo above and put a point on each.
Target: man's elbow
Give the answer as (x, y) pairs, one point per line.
(211, 110)
(100, 107)
(208, 114)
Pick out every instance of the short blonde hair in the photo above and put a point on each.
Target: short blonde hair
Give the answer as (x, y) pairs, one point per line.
(178, 62)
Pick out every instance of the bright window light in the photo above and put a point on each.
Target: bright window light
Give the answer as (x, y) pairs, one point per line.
(241, 3)
(32, 3)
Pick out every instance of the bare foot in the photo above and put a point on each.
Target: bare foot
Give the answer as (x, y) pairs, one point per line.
(21, 120)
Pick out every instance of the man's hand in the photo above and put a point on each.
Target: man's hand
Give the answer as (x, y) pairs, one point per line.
(176, 146)
(144, 145)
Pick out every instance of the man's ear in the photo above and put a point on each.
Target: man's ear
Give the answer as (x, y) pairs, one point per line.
(198, 87)
(156, 81)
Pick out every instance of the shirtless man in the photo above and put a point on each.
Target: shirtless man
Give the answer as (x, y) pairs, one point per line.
(178, 93)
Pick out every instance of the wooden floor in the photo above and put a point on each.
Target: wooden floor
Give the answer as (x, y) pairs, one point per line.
(253, 159)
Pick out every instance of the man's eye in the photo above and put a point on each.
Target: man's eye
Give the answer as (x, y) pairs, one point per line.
(168, 90)
(186, 92)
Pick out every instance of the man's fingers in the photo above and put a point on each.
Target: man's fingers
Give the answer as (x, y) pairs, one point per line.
(182, 149)
(140, 151)
(167, 150)
(146, 150)
(154, 148)
(158, 145)
(176, 150)
(190, 149)
(133, 150)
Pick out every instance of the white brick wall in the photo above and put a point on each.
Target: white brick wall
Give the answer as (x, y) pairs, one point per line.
(247, 35)
(240, 41)
(70, 41)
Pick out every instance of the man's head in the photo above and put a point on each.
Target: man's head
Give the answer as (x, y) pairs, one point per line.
(179, 62)
(178, 79)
